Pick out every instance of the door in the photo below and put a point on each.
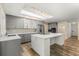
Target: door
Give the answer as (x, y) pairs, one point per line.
(74, 29)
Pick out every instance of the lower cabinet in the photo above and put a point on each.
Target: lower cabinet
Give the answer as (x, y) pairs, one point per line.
(22, 38)
(25, 37)
(10, 48)
(52, 41)
(29, 37)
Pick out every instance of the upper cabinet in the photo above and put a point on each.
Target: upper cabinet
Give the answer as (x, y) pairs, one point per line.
(30, 24)
(18, 22)
(27, 23)
(14, 22)
(34, 24)
(10, 23)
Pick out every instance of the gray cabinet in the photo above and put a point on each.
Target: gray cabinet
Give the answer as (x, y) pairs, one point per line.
(19, 23)
(10, 48)
(10, 23)
(34, 24)
(25, 37)
(29, 37)
(22, 38)
(14, 22)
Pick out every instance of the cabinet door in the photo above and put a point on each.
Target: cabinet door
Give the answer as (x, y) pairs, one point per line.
(30, 23)
(26, 37)
(22, 38)
(10, 23)
(15, 23)
(19, 23)
(29, 37)
(60, 40)
(25, 23)
(52, 41)
(34, 24)
(10, 48)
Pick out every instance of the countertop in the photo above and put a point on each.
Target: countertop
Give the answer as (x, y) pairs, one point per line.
(22, 33)
(49, 35)
(7, 38)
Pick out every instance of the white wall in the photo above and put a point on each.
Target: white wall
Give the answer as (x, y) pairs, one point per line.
(2, 21)
(69, 30)
(65, 28)
(78, 30)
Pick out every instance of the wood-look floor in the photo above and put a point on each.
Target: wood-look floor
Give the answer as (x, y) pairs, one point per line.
(70, 48)
(27, 50)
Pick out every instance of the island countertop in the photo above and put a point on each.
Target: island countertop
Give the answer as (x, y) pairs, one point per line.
(41, 42)
(49, 35)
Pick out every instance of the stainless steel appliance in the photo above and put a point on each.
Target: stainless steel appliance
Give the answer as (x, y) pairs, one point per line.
(41, 29)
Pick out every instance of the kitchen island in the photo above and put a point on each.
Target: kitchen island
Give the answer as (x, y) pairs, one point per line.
(41, 42)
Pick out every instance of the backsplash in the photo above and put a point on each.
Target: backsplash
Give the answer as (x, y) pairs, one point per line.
(20, 30)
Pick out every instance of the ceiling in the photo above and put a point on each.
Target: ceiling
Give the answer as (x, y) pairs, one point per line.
(58, 11)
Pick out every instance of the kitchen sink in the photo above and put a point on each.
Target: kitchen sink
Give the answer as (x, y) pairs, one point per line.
(11, 35)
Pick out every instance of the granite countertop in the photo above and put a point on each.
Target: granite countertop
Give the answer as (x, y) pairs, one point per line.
(49, 35)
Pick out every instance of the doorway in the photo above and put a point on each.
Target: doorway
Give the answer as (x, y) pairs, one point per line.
(74, 29)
